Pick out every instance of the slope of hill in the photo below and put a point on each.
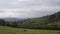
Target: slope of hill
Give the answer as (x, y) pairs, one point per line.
(54, 17)
(48, 22)
(46, 19)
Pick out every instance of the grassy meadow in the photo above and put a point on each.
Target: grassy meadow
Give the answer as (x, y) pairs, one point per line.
(10, 30)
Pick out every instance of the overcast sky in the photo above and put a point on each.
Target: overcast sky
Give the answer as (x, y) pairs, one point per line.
(28, 8)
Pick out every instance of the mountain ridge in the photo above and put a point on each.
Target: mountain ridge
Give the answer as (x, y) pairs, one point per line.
(13, 19)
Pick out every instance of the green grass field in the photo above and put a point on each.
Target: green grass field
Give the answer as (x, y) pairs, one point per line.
(10, 30)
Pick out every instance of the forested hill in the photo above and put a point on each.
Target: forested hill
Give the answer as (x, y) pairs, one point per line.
(45, 22)
(54, 17)
(46, 19)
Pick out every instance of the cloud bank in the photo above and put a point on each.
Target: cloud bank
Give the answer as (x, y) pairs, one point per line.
(28, 8)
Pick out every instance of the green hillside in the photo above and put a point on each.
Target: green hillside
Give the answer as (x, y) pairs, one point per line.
(10, 30)
(50, 22)
(46, 22)
(46, 19)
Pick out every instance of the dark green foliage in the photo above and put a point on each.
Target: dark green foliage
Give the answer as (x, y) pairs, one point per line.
(2, 22)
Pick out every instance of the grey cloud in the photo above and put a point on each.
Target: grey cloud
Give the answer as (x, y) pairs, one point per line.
(7, 3)
(29, 8)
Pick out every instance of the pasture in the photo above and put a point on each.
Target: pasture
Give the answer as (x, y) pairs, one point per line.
(10, 30)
